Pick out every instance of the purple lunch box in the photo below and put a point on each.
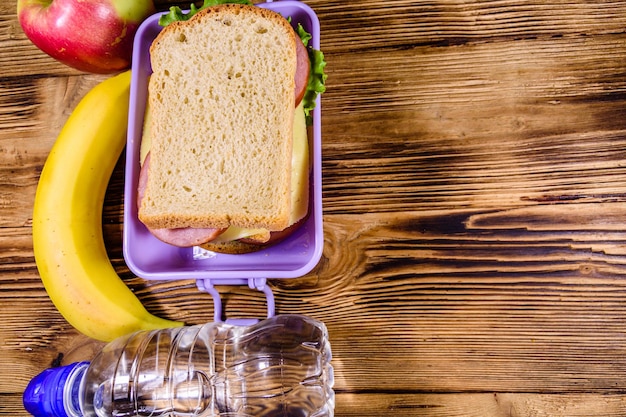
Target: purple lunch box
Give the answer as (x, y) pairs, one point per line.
(149, 258)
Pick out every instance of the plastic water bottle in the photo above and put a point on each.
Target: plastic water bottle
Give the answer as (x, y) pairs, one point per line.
(278, 367)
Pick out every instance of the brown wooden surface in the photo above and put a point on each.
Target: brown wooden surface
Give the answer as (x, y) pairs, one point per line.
(475, 210)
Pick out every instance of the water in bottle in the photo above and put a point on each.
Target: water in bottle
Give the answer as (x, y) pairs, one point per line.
(278, 367)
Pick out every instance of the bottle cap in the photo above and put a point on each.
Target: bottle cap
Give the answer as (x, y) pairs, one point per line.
(51, 393)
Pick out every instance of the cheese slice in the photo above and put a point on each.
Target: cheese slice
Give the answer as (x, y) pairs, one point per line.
(299, 167)
(146, 140)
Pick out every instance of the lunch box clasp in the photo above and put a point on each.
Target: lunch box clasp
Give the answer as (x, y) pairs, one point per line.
(260, 284)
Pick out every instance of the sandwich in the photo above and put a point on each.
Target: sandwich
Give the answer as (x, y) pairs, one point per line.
(225, 162)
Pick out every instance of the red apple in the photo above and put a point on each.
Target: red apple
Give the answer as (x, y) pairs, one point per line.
(89, 35)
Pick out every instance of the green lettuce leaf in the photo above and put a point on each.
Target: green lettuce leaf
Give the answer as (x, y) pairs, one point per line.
(317, 77)
(176, 14)
(303, 34)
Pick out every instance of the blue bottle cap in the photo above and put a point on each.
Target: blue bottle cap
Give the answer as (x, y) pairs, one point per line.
(54, 393)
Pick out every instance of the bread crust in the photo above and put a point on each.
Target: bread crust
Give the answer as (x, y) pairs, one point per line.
(232, 248)
(223, 10)
(210, 176)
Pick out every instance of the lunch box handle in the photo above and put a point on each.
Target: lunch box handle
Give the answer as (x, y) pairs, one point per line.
(260, 284)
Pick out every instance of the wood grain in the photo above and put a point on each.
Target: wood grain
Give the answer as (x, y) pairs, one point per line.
(473, 190)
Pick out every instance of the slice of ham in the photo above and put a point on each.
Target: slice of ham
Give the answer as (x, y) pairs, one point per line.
(186, 237)
(303, 67)
(182, 237)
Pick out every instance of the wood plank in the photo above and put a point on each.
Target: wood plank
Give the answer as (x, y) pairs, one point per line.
(479, 405)
(455, 405)
(373, 25)
(32, 112)
(483, 126)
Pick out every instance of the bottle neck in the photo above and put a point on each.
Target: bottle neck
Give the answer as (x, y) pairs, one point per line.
(72, 391)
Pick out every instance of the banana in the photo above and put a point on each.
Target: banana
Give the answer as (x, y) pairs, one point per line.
(67, 219)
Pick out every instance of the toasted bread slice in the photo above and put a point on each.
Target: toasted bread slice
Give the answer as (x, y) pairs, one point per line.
(221, 99)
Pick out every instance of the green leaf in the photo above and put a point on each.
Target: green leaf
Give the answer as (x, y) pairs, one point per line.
(303, 34)
(317, 78)
(176, 14)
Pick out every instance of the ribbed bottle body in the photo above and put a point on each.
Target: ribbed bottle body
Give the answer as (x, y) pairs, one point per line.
(278, 367)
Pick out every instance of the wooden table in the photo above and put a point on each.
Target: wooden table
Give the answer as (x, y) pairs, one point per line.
(475, 210)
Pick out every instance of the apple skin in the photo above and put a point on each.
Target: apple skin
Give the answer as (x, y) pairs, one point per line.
(89, 35)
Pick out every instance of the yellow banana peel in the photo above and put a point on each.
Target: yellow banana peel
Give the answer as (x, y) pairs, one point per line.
(67, 219)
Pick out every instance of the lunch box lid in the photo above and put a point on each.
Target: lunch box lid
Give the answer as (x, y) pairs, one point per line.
(151, 259)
